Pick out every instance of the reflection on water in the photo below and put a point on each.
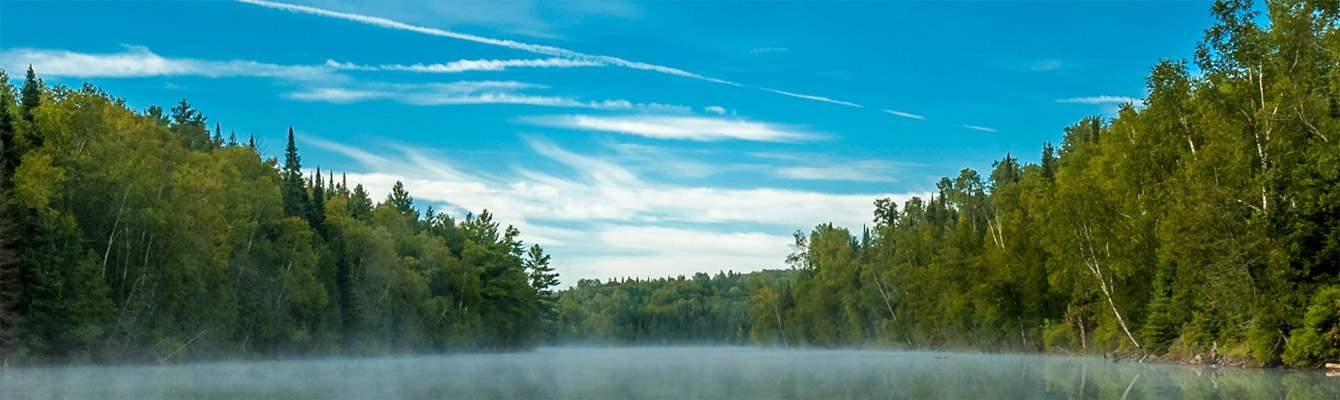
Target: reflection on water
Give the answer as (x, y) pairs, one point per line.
(674, 372)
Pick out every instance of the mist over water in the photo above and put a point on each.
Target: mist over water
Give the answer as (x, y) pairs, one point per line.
(671, 372)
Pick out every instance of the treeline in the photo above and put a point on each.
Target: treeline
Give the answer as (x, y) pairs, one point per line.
(702, 309)
(1205, 221)
(136, 236)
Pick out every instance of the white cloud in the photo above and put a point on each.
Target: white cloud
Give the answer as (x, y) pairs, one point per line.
(468, 65)
(979, 128)
(903, 114)
(601, 219)
(466, 92)
(702, 129)
(1101, 100)
(767, 50)
(816, 98)
(718, 110)
(1045, 65)
(138, 61)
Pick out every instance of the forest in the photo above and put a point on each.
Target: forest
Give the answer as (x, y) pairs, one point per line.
(1205, 221)
(137, 236)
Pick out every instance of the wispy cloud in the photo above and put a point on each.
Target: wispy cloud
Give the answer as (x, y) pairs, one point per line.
(979, 128)
(600, 218)
(468, 65)
(859, 171)
(529, 47)
(512, 44)
(1045, 65)
(903, 114)
(1101, 100)
(138, 61)
(817, 98)
(767, 50)
(696, 128)
(466, 92)
(718, 110)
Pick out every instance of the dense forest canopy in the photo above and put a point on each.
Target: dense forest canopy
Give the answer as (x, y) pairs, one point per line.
(141, 236)
(1205, 221)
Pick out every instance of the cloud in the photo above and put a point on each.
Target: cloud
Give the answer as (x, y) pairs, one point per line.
(1045, 65)
(817, 98)
(767, 50)
(979, 128)
(718, 110)
(466, 92)
(468, 65)
(138, 61)
(512, 44)
(600, 218)
(695, 128)
(903, 114)
(860, 171)
(1101, 100)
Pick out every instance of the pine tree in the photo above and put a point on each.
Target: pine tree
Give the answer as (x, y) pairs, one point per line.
(294, 189)
(32, 94)
(1048, 161)
(218, 135)
(189, 125)
(401, 201)
(316, 215)
(9, 157)
(359, 206)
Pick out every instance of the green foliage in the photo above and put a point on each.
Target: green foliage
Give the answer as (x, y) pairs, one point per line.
(705, 309)
(1318, 340)
(134, 236)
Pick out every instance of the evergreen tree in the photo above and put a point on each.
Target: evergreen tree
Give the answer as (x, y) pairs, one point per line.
(316, 215)
(400, 200)
(9, 151)
(296, 202)
(189, 126)
(32, 95)
(359, 206)
(1048, 161)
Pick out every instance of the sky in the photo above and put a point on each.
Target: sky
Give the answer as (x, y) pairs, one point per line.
(629, 139)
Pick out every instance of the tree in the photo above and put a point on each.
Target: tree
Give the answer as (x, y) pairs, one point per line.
(32, 94)
(296, 202)
(359, 206)
(189, 125)
(402, 202)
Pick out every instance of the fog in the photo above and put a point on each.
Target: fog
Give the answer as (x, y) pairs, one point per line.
(670, 372)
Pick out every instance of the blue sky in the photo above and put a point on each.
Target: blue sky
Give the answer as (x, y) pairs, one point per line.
(628, 138)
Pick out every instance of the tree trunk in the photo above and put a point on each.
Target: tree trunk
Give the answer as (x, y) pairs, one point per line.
(1096, 269)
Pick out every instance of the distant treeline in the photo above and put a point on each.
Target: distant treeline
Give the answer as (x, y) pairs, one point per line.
(1205, 221)
(136, 236)
(706, 309)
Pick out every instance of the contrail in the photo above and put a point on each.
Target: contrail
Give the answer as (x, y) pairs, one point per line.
(533, 48)
(512, 44)
(815, 98)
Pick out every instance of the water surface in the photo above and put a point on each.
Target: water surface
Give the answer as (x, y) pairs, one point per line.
(672, 372)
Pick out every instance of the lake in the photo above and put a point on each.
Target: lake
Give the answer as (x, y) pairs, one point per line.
(672, 372)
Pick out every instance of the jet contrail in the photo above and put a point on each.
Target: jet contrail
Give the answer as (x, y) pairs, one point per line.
(533, 48)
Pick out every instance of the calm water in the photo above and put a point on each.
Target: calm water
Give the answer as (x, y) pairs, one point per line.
(673, 372)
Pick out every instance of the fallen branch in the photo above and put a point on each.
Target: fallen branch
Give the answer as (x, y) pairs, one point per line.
(179, 349)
